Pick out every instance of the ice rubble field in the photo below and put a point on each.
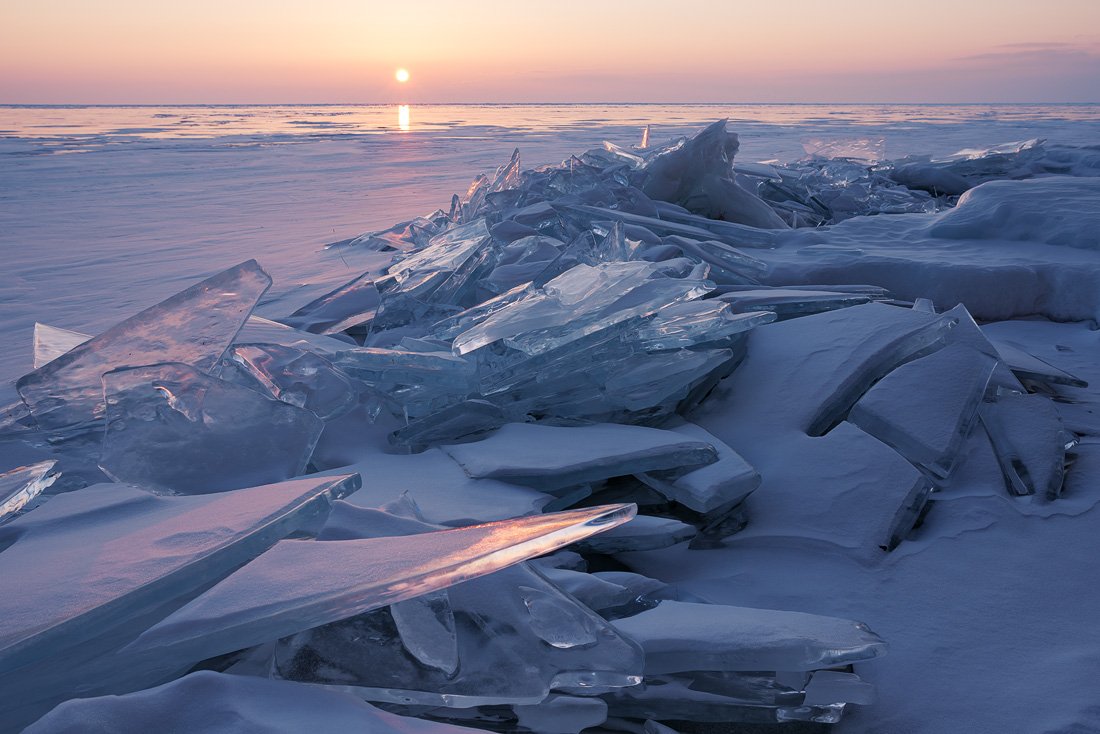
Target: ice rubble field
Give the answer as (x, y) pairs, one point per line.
(686, 444)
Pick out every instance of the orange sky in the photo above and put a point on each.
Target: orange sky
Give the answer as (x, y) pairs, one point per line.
(202, 51)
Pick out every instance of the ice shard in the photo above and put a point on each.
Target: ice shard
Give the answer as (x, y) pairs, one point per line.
(208, 701)
(295, 376)
(350, 305)
(643, 533)
(1027, 366)
(926, 408)
(85, 562)
(298, 585)
(1030, 442)
(679, 636)
(51, 342)
(19, 487)
(556, 457)
(171, 427)
(193, 327)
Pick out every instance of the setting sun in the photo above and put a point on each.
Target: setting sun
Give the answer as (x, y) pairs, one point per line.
(401, 75)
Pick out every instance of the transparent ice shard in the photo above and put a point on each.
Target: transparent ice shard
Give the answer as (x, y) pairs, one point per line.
(790, 302)
(1029, 367)
(561, 714)
(697, 322)
(591, 590)
(295, 376)
(556, 457)
(665, 382)
(170, 427)
(681, 636)
(193, 327)
(19, 487)
(208, 701)
(258, 330)
(725, 482)
(1030, 442)
(426, 625)
(298, 585)
(926, 408)
(727, 264)
(446, 251)
(86, 562)
(352, 304)
(690, 226)
(465, 420)
(833, 686)
(51, 342)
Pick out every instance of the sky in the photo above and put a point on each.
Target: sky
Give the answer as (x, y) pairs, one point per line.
(346, 51)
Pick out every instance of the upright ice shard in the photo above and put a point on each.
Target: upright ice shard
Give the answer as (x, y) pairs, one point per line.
(193, 327)
(1030, 442)
(299, 585)
(20, 486)
(85, 562)
(171, 427)
(926, 408)
(51, 342)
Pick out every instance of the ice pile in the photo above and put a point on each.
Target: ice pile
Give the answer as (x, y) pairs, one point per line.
(560, 348)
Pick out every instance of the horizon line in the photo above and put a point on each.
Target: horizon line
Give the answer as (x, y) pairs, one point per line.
(527, 104)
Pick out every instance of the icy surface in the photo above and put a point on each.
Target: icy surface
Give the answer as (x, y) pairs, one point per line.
(232, 703)
(19, 487)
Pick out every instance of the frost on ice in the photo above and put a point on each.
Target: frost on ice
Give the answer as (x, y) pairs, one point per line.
(737, 349)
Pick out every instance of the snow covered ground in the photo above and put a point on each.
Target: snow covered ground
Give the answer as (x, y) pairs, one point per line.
(896, 464)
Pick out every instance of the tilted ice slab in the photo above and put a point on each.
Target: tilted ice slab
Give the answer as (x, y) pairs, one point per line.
(553, 457)
(19, 486)
(725, 482)
(89, 560)
(680, 636)
(1030, 442)
(208, 701)
(505, 638)
(644, 532)
(926, 408)
(169, 426)
(293, 375)
(1027, 366)
(193, 327)
(298, 585)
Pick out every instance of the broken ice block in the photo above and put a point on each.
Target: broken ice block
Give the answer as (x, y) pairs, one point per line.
(680, 636)
(593, 591)
(697, 322)
(193, 327)
(208, 701)
(352, 304)
(171, 427)
(561, 715)
(85, 562)
(19, 486)
(1029, 367)
(926, 408)
(790, 302)
(643, 533)
(426, 625)
(557, 457)
(298, 585)
(1030, 442)
(295, 376)
(725, 482)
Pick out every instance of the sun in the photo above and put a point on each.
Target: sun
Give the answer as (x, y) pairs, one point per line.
(401, 75)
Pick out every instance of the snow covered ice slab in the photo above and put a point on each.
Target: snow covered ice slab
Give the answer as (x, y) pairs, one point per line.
(194, 327)
(19, 486)
(171, 427)
(1030, 442)
(1029, 367)
(553, 457)
(681, 636)
(926, 408)
(209, 702)
(87, 561)
(301, 584)
(644, 532)
(725, 482)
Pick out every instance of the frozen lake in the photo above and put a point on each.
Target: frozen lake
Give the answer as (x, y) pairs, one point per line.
(106, 210)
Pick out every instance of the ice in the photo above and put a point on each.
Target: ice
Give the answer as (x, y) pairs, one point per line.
(171, 427)
(51, 342)
(194, 327)
(1030, 442)
(1027, 366)
(832, 686)
(348, 306)
(725, 482)
(561, 715)
(926, 408)
(698, 322)
(643, 533)
(295, 376)
(594, 592)
(426, 625)
(298, 585)
(19, 487)
(555, 457)
(85, 562)
(680, 636)
(790, 302)
(208, 701)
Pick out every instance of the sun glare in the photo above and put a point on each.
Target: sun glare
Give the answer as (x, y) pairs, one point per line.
(401, 75)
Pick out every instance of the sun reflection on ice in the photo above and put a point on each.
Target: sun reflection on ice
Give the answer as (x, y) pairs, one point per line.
(403, 117)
